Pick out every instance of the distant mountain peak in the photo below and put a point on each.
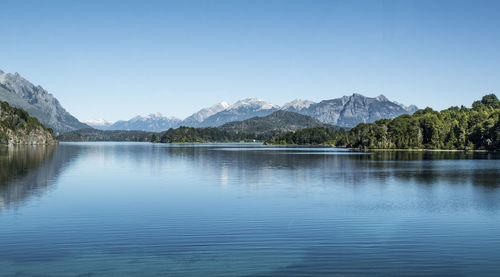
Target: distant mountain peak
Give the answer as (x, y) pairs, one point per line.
(100, 124)
(241, 110)
(381, 97)
(154, 122)
(224, 104)
(97, 121)
(153, 116)
(263, 105)
(297, 105)
(201, 115)
(348, 111)
(156, 114)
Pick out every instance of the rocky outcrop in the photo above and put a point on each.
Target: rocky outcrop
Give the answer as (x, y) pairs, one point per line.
(17, 127)
(349, 111)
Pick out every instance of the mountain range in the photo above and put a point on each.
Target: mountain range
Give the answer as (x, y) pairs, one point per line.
(155, 122)
(346, 111)
(255, 128)
(349, 111)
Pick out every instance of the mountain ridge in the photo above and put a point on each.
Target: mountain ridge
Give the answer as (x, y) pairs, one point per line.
(37, 102)
(346, 111)
(154, 122)
(256, 128)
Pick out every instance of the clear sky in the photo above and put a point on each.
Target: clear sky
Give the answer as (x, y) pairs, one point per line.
(118, 59)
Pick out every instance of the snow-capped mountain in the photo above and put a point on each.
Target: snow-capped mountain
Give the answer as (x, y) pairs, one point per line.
(241, 110)
(154, 122)
(297, 105)
(252, 104)
(346, 111)
(20, 93)
(198, 117)
(100, 124)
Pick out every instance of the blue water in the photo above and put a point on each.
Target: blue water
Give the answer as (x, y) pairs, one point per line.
(140, 209)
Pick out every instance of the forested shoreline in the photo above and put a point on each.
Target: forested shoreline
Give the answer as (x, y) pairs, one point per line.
(456, 128)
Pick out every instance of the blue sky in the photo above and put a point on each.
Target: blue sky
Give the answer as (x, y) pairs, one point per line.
(117, 59)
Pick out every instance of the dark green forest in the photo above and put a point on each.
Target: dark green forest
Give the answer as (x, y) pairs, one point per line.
(309, 136)
(209, 134)
(462, 128)
(16, 119)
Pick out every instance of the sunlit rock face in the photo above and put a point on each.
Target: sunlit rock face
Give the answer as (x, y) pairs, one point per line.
(39, 103)
(348, 111)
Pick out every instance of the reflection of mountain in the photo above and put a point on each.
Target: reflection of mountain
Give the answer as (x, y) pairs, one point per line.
(28, 171)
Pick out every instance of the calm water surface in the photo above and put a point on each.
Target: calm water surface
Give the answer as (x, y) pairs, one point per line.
(120, 209)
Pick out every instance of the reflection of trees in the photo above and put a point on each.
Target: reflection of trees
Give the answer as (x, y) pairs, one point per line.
(432, 167)
(419, 167)
(17, 161)
(27, 171)
(252, 165)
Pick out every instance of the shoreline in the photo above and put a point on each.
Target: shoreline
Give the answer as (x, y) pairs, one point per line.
(320, 145)
(420, 150)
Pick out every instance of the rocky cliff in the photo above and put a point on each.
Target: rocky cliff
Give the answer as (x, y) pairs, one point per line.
(349, 111)
(17, 127)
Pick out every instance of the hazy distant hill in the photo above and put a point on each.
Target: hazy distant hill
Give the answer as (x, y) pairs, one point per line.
(152, 123)
(20, 93)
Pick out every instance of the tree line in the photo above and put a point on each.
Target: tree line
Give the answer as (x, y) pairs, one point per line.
(454, 128)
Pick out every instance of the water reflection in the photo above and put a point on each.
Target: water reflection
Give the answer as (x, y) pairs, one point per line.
(247, 210)
(421, 167)
(28, 171)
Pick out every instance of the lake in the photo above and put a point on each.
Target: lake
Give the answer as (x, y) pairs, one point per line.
(121, 209)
